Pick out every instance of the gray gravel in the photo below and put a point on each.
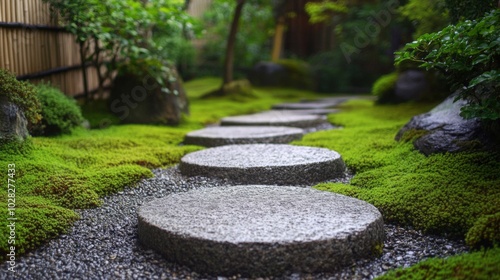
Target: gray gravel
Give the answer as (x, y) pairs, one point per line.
(103, 243)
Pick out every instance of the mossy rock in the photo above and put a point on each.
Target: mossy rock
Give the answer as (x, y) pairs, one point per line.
(143, 100)
(238, 90)
(289, 73)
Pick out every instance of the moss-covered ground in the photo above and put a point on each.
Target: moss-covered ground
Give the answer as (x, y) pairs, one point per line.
(452, 194)
(457, 195)
(55, 175)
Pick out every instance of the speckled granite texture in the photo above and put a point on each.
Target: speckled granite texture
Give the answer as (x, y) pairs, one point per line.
(261, 230)
(270, 164)
(275, 118)
(231, 135)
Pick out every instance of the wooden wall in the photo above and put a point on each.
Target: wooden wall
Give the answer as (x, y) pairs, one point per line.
(34, 47)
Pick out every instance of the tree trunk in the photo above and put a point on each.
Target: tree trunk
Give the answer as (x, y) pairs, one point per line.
(231, 41)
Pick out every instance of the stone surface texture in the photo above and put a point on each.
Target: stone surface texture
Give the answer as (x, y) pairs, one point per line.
(447, 130)
(305, 105)
(275, 118)
(231, 135)
(13, 123)
(274, 164)
(304, 112)
(261, 230)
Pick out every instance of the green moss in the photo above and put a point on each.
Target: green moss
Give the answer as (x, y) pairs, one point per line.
(58, 174)
(38, 220)
(479, 265)
(23, 94)
(443, 193)
(383, 87)
(413, 134)
(60, 113)
(485, 232)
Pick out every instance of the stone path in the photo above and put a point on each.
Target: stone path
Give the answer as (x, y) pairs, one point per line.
(275, 118)
(273, 164)
(269, 226)
(261, 230)
(230, 135)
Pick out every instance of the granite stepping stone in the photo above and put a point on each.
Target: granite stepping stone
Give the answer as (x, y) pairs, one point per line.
(261, 230)
(324, 103)
(230, 135)
(275, 118)
(305, 111)
(273, 164)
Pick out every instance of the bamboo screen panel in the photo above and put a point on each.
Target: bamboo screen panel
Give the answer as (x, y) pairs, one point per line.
(30, 48)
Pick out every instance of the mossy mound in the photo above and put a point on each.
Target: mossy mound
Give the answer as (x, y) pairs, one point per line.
(479, 265)
(60, 113)
(55, 175)
(442, 193)
(23, 94)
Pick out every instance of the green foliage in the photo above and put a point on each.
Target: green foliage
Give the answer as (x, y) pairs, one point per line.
(116, 29)
(323, 11)
(468, 54)
(406, 186)
(478, 265)
(383, 88)
(469, 9)
(55, 175)
(252, 39)
(298, 74)
(426, 15)
(60, 113)
(362, 37)
(22, 94)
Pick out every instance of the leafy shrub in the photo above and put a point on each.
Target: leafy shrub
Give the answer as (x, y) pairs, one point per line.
(468, 55)
(469, 9)
(426, 15)
(60, 112)
(22, 94)
(383, 88)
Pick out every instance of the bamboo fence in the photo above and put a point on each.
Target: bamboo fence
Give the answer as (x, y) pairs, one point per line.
(32, 44)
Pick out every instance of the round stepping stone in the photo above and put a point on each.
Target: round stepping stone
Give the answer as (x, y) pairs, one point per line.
(275, 118)
(261, 230)
(307, 111)
(270, 164)
(230, 135)
(305, 105)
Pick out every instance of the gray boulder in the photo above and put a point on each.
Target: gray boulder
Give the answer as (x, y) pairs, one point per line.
(411, 85)
(13, 123)
(446, 130)
(135, 99)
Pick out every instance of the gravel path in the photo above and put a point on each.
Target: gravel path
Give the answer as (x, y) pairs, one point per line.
(103, 243)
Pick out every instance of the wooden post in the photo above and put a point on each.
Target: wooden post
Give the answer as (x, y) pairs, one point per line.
(278, 39)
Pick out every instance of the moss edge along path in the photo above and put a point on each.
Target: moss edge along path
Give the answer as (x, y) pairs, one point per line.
(451, 194)
(55, 175)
